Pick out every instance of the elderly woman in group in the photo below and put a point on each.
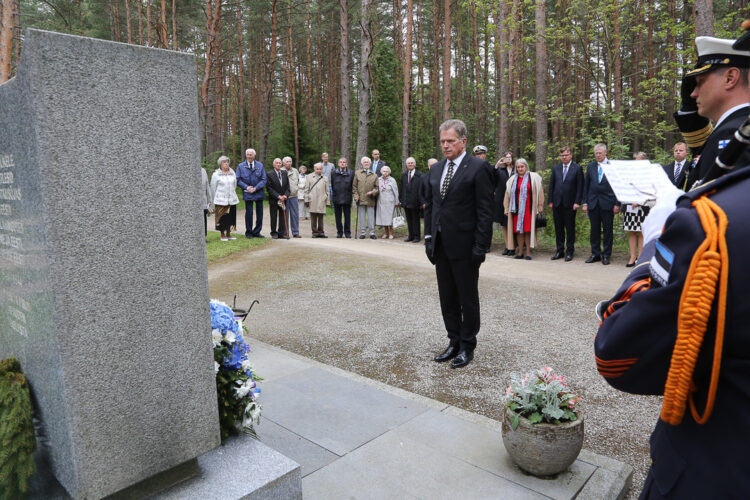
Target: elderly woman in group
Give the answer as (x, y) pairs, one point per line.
(524, 199)
(224, 187)
(303, 211)
(387, 201)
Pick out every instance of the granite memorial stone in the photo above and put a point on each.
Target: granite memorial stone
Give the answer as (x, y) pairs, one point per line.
(103, 282)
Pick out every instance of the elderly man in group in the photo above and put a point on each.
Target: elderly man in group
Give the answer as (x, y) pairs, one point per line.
(292, 206)
(365, 192)
(278, 191)
(457, 234)
(600, 203)
(327, 171)
(316, 199)
(411, 198)
(343, 178)
(251, 178)
(377, 163)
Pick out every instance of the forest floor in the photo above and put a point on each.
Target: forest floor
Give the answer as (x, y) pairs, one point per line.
(371, 307)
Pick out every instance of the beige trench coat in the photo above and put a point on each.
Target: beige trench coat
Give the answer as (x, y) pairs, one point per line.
(317, 196)
(364, 182)
(537, 206)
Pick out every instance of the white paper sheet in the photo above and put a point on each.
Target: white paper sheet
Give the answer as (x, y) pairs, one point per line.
(636, 181)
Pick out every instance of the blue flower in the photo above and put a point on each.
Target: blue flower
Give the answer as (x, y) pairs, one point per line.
(222, 318)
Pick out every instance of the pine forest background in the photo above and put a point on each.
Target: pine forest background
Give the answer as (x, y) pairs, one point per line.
(291, 77)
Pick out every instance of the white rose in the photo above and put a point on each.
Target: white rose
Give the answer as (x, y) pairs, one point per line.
(230, 337)
(216, 336)
(216, 367)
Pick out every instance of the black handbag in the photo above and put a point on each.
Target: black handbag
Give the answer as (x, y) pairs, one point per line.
(541, 221)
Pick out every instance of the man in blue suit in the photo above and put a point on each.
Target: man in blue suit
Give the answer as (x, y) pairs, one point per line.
(251, 177)
(565, 195)
(600, 203)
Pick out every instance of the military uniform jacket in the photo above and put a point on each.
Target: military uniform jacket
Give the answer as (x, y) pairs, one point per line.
(636, 339)
(715, 143)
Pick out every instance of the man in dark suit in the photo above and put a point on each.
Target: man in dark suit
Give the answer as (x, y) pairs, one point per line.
(410, 196)
(377, 163)
(677, 170)
(458, 231)
(278, 191)
(716, 90)
(565, 195)
(600, 203)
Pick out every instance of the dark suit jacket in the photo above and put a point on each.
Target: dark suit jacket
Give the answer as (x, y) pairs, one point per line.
(276, 189)
(565, 194)
(501, 178)
(669, 169)
(465, 214)
(712, 148)
(597, 195)
(410, 193)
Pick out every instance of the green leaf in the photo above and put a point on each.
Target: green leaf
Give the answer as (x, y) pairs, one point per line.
(535, 418)
(514, 421)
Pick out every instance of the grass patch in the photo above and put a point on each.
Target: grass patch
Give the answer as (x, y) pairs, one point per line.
(217, 249)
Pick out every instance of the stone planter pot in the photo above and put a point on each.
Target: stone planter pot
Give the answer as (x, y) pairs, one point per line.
(542, 449)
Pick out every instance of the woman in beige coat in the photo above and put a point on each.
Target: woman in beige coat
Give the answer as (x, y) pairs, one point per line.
(524, 199)
(316, 199)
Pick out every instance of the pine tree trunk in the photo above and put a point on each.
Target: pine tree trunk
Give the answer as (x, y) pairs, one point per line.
(174, 24)
(292, 90)
(407, 85)
(162, 28)
(540, 162)
(308, 102)
(504, 79)
(148, 22)
(514, 75)
(447, 61)
(211, 77)
(6, 39)
(140, 22)
(346, 114)
(241, 76)
(617, 71)
(268, 90)
(477, 90)
(365, 78)
(435, 71)
(127, 19)
(704, 17)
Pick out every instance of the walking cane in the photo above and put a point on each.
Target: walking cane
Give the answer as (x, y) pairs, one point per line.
(356, 223)
(286, 225)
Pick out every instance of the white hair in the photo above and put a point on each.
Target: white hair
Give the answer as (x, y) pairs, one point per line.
(411, 158)
(222, 159)
(249, 149)
(363, 160)
(385, 168)
(523, 160)
(286, 158)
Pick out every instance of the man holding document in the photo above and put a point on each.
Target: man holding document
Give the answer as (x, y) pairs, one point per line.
(677, 326)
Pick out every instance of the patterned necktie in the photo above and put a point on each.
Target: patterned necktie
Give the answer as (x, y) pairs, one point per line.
(447, 180)
(279, 172)
(677, 170)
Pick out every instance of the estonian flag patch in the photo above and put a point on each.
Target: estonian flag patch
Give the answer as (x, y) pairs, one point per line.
(661, 264)
(723, 144)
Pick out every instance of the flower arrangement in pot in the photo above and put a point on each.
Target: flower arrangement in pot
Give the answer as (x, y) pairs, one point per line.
(542, 423)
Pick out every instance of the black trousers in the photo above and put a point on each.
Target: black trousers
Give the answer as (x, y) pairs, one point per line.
(565, 229)
(205, 221)
(601, 221)
(412, 223)
(346, 227)
(458, 287)
(277, 217)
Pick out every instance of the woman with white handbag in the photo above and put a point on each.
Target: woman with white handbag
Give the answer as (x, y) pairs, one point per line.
(387, 201)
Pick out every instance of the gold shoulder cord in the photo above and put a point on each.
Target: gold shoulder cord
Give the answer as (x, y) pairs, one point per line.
(710, 265)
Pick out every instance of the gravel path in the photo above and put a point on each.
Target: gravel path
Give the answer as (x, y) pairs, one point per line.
(371, 307)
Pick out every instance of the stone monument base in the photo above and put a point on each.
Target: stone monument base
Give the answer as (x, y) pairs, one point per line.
(243, 468)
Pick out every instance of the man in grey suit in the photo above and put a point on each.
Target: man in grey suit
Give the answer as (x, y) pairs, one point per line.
(600, 203)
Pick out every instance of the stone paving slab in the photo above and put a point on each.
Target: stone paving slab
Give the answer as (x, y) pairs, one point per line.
(306, 453)
(385, 442)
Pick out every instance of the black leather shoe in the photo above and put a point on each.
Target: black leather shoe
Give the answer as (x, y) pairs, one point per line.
(569, 257)
(274, 236)
(605, 261)
(322, 236)
(373, 237)
(339, 236)
(361, 236)
(463, 358)
(408, 240)
(593, 258)
(449, 353)
(558, 255)
(416, 241)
